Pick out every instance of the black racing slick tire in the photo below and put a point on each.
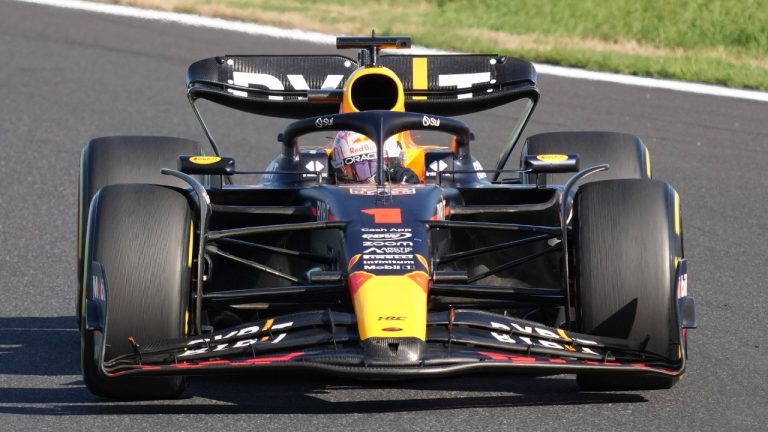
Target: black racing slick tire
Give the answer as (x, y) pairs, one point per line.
(120, 160)
(626, 154)
(628, 244)
(141, 236)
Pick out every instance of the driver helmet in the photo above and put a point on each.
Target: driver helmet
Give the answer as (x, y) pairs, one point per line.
(354, 160)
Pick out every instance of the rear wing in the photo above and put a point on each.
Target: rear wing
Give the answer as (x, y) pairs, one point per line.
(306, 86)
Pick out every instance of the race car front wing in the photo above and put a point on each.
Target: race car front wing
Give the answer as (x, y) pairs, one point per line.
(458, 341)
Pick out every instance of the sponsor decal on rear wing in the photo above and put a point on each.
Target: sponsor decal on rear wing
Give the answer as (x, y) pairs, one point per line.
(304, 86)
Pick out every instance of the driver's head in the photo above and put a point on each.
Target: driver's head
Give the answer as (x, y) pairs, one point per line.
(354, 157)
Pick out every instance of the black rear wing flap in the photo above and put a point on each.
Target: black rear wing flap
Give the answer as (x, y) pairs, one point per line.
(279, 86)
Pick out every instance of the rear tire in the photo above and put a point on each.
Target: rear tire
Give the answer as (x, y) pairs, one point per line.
(627, 246)
(626, 154)
(120, 160)
(140, 234)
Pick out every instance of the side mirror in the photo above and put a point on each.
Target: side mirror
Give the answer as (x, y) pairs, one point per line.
(211, 165)
(541, 164)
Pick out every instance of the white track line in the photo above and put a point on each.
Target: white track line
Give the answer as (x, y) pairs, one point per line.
(325, 39)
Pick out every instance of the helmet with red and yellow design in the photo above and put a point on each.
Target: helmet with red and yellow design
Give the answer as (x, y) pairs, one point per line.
(354, 157)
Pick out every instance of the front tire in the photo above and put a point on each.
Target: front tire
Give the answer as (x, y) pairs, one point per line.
(121, 160)
(628, 244)
(141, 236)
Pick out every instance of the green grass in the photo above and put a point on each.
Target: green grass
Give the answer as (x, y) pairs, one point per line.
(691, 24)
(721, 42)
(715, 41)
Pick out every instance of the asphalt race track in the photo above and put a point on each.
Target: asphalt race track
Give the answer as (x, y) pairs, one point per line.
(68, 76)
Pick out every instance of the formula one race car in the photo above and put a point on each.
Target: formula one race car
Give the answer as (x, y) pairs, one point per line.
(571, 262)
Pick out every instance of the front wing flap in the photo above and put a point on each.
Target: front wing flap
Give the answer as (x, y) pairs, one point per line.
(458, 341)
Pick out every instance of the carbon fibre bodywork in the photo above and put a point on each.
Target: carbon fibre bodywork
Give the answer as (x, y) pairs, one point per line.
(456, 339)
(469, 270)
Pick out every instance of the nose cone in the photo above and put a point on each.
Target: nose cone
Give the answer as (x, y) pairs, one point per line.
(391, 306)
(380, 351)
